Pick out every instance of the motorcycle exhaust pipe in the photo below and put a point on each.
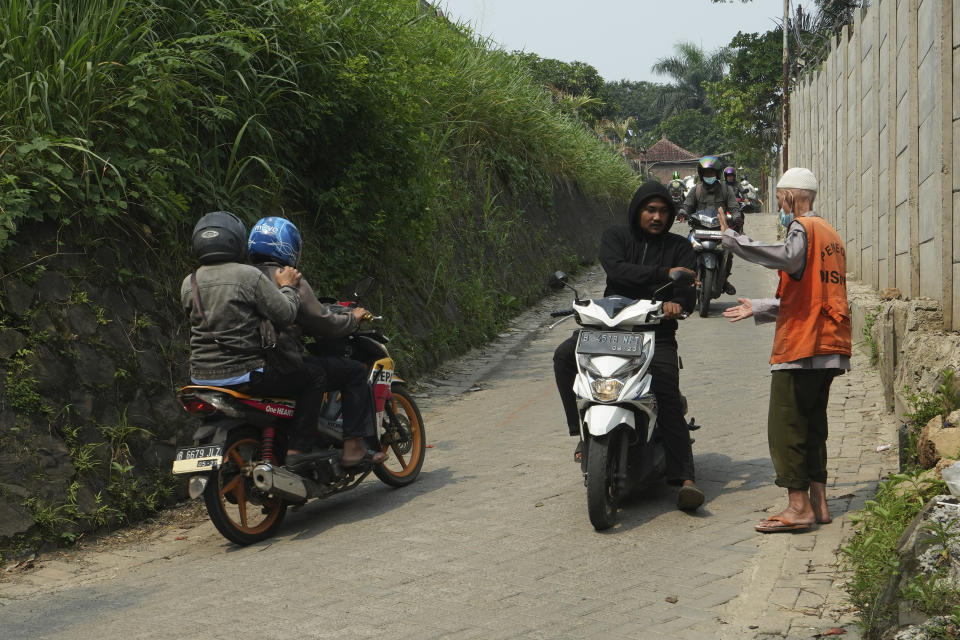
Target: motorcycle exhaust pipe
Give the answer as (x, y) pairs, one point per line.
(280, 482)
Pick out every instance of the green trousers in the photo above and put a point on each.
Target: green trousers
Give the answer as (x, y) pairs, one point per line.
(797, 426)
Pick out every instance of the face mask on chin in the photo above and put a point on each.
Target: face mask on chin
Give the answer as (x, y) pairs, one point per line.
(785, 218)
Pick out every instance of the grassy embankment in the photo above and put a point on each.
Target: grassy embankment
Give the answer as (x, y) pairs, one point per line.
(401, 145)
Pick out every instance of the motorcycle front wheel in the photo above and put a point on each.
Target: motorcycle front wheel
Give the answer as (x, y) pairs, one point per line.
(241, 513)
(403, 440)
(603, 456)
(706, 289)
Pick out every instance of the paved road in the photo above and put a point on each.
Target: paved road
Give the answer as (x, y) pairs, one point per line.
(494, 541)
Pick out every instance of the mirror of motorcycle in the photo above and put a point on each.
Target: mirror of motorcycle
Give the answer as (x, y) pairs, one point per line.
(676, 277)
(559, 280)
(359, 289)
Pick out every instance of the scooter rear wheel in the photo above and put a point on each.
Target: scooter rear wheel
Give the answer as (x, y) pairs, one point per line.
(241, 513)
(602, 460)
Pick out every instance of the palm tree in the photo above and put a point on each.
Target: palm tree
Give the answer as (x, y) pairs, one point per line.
(691, 69)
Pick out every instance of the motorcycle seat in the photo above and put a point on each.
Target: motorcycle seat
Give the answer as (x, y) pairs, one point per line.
(190, 388)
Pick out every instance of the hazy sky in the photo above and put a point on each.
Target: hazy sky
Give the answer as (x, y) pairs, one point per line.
(621, 38)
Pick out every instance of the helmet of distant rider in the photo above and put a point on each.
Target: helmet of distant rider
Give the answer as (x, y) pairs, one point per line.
(275, 239)
(676, 175)
(219, 236)
(729, 174)
(707, 162)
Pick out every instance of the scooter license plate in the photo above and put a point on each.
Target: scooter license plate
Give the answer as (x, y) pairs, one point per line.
(610, 343)
(197, 459)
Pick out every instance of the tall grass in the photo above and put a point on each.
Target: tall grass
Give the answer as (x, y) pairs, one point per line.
(164, 108)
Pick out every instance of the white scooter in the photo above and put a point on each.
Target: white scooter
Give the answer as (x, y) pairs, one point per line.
(622, 450)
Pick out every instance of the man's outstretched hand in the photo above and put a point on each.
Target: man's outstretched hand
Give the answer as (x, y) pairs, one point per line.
(742, 311)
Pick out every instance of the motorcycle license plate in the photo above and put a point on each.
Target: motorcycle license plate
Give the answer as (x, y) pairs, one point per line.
(610, 343)
(707, 235)
(197, 459)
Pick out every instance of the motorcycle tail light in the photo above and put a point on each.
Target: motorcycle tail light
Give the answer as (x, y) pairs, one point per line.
(196, 405)
(606, 389)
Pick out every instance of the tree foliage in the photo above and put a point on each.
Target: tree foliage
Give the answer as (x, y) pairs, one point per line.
(575, 85)
(691, 70)
(749, 98)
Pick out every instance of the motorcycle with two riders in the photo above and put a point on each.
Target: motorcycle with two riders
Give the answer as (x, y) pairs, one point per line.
(236, 461)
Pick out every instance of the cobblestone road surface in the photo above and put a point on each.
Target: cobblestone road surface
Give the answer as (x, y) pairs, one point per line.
(494, 541)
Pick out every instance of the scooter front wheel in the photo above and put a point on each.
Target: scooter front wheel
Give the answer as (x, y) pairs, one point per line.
(602, 460)
(706, 291)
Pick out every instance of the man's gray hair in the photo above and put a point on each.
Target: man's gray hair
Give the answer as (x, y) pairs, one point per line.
(804, 194)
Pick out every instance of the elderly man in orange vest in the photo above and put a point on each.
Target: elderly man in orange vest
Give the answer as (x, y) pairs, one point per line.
(811, 345)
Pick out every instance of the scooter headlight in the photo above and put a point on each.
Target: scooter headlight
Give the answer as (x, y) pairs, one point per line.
(606, 389)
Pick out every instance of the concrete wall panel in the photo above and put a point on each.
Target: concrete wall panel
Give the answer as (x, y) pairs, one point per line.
(930, 270)
(929, 209)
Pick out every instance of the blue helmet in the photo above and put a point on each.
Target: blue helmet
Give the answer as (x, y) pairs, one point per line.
(276, 239)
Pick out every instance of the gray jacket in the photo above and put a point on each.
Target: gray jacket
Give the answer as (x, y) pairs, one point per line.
(236, 298)
(314, 317)
(703, 196)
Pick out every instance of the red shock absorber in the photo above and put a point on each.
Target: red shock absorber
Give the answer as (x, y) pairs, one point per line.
(268, 435)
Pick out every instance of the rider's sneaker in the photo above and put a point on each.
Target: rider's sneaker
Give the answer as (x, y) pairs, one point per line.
(729, 289)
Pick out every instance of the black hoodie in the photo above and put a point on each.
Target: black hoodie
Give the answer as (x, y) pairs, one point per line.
(639, 263)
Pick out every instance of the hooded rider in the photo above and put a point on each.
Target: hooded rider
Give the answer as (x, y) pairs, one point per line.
(638, 258)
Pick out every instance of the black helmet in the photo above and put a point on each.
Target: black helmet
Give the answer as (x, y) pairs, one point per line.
(707, 162)
(219, 237)
(729, 172)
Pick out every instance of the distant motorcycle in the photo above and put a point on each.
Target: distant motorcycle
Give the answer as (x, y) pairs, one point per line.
(712, 259)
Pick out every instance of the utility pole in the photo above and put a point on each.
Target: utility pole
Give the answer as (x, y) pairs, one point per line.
(785, 117)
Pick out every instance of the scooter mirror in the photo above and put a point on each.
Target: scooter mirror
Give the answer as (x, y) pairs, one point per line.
(681, 277)
(558, 280)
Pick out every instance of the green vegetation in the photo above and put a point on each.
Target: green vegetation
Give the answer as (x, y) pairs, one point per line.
(376, 126)
(925, 405)
(869, 320)
(871, 555)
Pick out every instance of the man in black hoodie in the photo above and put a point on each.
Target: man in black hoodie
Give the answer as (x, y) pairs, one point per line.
(638, 258)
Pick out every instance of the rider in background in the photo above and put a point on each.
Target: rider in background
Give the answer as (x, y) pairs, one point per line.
(677, 189)
(274, 246)
(730, 180)
(711, 193)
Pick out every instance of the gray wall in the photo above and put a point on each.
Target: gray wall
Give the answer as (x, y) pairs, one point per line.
(878, 124)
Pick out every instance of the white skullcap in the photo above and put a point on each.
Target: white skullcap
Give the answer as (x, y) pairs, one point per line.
(798, 178)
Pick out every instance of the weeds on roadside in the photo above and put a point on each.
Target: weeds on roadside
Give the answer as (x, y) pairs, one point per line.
(871, 554)
(869, 320)
(925, 405)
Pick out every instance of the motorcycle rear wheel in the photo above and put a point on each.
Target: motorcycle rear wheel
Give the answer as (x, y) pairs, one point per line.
(405, 444)
(240, 511)
(602, 460)
(706, 291)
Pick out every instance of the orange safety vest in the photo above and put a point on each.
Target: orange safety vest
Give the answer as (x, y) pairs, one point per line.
(814, 317)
